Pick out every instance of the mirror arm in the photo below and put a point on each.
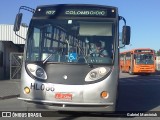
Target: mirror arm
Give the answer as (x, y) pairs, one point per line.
(122, 18)
(27, 9)
(122, 46)
(19, 36)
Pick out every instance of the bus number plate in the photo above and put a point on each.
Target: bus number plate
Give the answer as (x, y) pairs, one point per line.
(63, 96)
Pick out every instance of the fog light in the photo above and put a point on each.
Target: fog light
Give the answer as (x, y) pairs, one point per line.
(104, 94)
(27, 90)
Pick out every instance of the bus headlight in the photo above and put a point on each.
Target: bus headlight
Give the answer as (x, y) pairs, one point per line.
(97, 73)
(93, 74)
(37, 71)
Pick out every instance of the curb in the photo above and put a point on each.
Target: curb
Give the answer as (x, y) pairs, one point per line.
(9, 97)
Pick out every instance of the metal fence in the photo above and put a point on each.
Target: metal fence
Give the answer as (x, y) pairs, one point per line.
(15, 65)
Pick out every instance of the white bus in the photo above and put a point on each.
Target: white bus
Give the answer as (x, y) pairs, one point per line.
(59, 70)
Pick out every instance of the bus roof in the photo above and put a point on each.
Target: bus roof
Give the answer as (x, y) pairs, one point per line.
(80, 5)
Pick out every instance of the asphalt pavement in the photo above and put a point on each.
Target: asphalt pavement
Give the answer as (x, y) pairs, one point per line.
(9, 88)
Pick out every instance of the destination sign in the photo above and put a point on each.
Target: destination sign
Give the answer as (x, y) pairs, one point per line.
(144, 51)
(86, 12)
(73, 11)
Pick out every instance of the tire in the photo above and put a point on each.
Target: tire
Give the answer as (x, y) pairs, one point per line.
(121, 70)
(130, 71)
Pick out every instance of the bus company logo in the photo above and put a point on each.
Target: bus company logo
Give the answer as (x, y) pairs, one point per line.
(21, 114)
(43, 87)
(65, 77)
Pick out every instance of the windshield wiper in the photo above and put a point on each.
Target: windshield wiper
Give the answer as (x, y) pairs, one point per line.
(47, 58)
(90, 65)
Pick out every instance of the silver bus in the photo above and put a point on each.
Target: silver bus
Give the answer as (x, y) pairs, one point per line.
(63, 67)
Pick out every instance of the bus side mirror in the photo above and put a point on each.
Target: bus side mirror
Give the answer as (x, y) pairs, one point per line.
(126, 35)
(17, 22)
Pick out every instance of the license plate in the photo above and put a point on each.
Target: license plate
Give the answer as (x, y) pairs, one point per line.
(63, 96)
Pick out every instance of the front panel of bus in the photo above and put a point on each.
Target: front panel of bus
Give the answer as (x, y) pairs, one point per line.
(63, 68)
(144, 61)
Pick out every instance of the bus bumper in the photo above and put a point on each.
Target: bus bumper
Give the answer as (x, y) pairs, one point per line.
(65, 106)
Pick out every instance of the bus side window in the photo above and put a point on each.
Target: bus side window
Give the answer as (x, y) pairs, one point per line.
(1, 59)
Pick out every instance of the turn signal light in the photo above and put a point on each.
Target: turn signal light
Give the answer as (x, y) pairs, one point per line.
(104, 94)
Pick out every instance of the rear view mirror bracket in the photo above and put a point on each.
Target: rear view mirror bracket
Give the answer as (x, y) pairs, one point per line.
(18, 19)
(125, 32)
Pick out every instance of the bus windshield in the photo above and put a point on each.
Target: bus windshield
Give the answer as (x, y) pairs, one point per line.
(144, 58)
(70, 41)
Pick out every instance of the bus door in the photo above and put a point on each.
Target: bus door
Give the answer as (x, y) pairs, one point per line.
(124, 63)
(132, 62)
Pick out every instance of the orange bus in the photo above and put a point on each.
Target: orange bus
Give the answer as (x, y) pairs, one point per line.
(137, 61)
